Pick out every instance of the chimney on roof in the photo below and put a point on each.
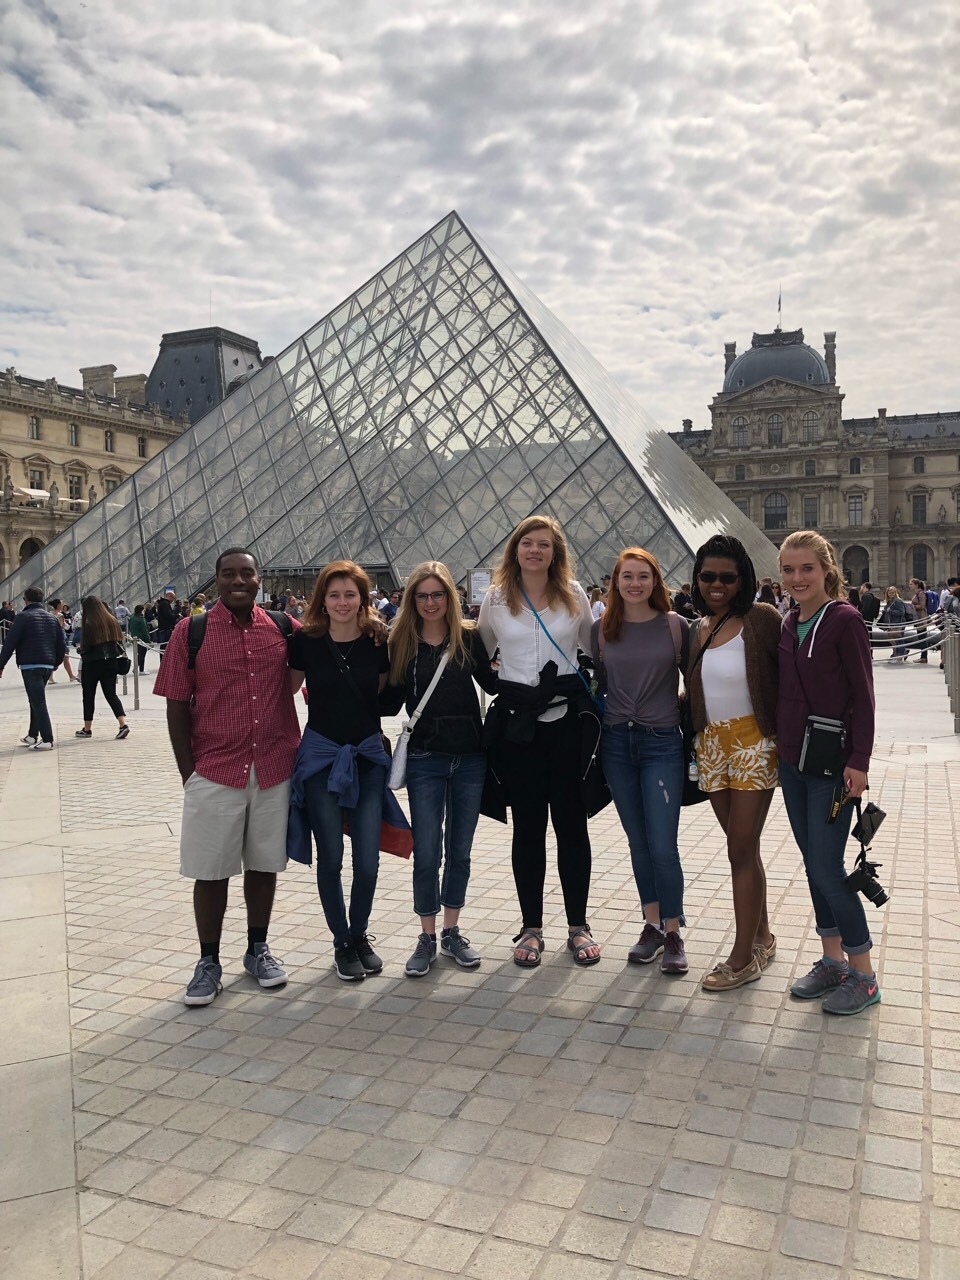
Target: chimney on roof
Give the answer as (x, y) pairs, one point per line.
(830, 355)
(687, 424)
(98, 378)
(133, 386)
(729, 355)
(882, 415)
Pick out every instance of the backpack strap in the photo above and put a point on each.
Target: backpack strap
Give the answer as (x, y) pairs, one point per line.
(196, 630)
(281, 621)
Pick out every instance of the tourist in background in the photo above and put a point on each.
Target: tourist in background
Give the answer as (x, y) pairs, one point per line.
(140, 634)
(100, 647)
(639, 646)
(446, 763)
(57, 609)
(732, 686)
(918, 598)
(597, 603)
(826, 670)
(35, 637)
(780, 600)
(893, 616)
(534, 727)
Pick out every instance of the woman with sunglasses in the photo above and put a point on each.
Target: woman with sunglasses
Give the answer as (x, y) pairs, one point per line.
(446, 763)
(732, 685)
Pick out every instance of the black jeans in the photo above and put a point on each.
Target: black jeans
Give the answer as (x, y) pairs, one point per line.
(35, 682)
(543, 777)
(103, 674)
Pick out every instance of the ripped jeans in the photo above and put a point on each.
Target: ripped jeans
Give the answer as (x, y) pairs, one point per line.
(644, 770)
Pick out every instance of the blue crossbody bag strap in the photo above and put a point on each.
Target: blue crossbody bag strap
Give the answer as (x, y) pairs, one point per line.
(543, 626)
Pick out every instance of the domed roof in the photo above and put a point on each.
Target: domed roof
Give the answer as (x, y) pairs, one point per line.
(777, 355)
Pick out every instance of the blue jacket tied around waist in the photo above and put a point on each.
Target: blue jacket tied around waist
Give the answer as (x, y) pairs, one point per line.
(317, 752)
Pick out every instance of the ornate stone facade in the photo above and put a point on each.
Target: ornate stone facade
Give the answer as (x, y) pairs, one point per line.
(884, 490)
(63, 448)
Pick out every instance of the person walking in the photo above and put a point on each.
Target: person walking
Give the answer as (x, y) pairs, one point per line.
(446, 763)
(341, 768)
(918, 598)
(894, 616)
(731, 681)
(139, 631)
(101, 645)
(538, 617)
(234, 732)
(639, 647)
(57, 608)
(35, 638)
(826, 670)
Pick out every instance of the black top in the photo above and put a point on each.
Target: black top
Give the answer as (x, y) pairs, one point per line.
(450, 723)
(333, 707)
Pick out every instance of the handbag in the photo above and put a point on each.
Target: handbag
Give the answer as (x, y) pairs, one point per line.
(398, 770)
(691, 792)
(596, 698)
(123, 661)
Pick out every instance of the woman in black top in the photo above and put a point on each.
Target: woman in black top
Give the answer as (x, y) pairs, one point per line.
(342, 650)
(101, 644)
(446, 763)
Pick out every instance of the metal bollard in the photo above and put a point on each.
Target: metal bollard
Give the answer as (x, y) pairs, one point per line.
(135, 670)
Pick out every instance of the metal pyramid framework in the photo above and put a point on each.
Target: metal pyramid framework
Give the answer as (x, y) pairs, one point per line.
(421, 419)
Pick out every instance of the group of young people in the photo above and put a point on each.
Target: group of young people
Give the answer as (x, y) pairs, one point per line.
(557, 742)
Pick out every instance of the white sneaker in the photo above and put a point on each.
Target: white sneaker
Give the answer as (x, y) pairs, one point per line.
(28, 741)
(42, 746)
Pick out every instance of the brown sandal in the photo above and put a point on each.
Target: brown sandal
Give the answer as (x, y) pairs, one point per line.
(580, 949)
(531, 941)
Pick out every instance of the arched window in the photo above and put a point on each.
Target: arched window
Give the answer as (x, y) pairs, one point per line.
(141, 446)
(774, 511)
(809, 467)
(919, 466)
(108, 442)
(808, 426)
(740, 433)
(854, 466)
(740, 472)
(73, 435)
(775, 430)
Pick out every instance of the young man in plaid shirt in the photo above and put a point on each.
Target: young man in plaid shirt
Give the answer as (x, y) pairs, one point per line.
(234, 730)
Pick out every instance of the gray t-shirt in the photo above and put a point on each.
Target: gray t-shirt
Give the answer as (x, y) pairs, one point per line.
(642, 678)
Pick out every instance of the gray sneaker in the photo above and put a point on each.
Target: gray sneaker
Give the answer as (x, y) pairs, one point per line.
(674, 958)
(421, 960)
(264, 966)
(855, 993)
(647, 947)
(457, 947)
(822, 978)
(205, 985)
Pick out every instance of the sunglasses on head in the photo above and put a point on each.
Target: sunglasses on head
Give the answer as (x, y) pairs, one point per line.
(728, 579)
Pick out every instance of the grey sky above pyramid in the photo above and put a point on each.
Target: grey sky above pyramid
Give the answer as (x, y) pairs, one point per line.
(421, 419)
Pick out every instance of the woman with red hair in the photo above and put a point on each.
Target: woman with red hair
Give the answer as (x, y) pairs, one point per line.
(639, 646)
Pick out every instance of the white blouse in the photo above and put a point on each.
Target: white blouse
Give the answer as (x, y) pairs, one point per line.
(725, 689)
(524, 649)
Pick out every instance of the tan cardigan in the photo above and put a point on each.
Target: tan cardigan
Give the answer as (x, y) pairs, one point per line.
(761, 638)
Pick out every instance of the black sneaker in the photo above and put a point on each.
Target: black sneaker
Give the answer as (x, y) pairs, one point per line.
(647, 947)
(674, 958)
(347, 964)
(365, 953)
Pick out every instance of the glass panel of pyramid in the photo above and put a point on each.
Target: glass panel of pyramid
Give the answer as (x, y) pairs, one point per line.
(421, 419)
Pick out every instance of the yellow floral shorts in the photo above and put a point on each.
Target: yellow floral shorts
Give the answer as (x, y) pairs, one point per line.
(733, 755)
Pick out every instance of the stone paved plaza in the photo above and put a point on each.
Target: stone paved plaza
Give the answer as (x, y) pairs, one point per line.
(561, 1124)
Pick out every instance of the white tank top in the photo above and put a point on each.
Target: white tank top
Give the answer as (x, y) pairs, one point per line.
(725, 690)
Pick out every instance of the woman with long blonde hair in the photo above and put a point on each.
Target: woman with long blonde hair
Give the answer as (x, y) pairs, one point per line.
(101, 644)
(446, 763)
(639, 648)
(539, 616)
(826, 670)
(341, 769)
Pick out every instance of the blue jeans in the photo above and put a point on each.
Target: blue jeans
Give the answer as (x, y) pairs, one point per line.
(35, 682)
(838, 910)
(644, 770)
(444, 793)
(326, 820)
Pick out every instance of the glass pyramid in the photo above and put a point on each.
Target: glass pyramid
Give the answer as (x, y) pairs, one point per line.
(421, 419)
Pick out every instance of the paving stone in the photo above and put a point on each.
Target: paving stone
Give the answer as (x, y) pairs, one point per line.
(684, 1214)
(887, 1256)
(749, 1227)
(597, 1238)
(814, 1241)
(891, 1184)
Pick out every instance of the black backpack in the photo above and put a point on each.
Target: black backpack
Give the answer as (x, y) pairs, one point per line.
(197, 629)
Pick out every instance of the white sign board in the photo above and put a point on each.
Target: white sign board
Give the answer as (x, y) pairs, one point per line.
(478, 584)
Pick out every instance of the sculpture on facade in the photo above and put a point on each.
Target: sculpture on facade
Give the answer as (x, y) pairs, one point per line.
(7, 488)
(54, 500)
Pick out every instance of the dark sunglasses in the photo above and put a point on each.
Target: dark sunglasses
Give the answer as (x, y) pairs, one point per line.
(728, 579)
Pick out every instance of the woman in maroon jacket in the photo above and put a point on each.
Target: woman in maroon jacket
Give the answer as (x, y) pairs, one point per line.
(826, 670)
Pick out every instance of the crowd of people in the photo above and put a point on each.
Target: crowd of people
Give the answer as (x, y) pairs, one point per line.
(586, 707)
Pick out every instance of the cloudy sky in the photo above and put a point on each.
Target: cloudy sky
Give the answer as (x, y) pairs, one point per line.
(654, 169)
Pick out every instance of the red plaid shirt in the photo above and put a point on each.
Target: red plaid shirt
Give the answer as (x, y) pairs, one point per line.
(243, 712)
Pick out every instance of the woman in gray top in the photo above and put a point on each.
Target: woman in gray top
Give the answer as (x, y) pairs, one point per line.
(638, 648)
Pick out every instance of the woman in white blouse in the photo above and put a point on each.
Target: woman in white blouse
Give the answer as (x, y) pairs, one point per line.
(539, 617)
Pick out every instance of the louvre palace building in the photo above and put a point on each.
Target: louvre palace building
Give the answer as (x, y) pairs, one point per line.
(885, 490)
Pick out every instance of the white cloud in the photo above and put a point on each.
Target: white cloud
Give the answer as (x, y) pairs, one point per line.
(653, 170)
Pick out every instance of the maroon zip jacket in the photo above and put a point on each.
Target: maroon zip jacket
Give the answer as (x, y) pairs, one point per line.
(836, 670)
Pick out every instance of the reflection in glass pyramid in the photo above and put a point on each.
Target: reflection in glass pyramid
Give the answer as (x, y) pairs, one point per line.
(421, 419)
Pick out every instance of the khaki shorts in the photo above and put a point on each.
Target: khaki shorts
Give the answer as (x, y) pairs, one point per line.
(227, 830)
(733, 755)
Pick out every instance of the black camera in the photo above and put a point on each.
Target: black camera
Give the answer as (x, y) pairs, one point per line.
(863, 879)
